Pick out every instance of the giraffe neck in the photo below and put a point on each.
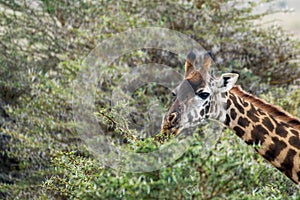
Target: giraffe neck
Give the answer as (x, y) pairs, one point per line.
(276, 134)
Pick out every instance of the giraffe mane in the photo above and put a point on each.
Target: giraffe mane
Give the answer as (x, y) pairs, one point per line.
(275, 111)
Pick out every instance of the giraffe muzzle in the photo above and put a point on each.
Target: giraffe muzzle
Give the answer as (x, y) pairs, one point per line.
(170, 125)
(172, 119)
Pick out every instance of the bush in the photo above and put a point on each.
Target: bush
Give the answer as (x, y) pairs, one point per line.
(42, 49)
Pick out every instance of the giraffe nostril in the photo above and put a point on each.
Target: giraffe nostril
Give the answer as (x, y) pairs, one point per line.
(172, 117)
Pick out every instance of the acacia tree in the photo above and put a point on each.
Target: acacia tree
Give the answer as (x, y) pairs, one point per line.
(42, 42)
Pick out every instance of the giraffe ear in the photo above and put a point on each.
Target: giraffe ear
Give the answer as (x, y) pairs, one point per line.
(189, 63)
(226, 82)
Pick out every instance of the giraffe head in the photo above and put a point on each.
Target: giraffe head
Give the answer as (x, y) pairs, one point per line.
(197, 97)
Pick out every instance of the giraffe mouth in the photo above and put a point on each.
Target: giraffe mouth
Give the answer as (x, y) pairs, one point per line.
(169, 130)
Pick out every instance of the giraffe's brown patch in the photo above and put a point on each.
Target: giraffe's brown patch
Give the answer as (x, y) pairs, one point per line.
(228, 104)
(288, 163)
(274, 149)
(258, 135)
(294, 122)
(261, 112)
(295, 141)
(244, 122)
(240, 132)
(285, 124)
(280, 130)
(245, 104)
(202, 112)
(207, 108)
(251, 114)
(268, 124)
(227, 120)
(237, 105)
(233, 114)
(295, 133)
(272, 110)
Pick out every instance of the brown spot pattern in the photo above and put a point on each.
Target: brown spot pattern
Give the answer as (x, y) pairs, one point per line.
(228, 104)
(227, 120)
(233, 114)
(207, 108)
(245, 104)
(288, 163)
(274, 111)
(238, 106)
(294, 122)
(240, 132)
(295, 141)
(252, 114)
(280, 130)
(295, 132)
(268, 124)
(202, 112)
(258, 135)
(244, 122)
(274, 149)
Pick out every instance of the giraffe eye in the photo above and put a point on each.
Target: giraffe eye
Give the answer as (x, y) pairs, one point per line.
(202, 95)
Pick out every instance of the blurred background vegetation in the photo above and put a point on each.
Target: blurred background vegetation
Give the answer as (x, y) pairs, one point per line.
(42, 45)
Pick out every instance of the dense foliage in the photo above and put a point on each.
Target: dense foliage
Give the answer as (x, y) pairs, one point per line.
(42, 46)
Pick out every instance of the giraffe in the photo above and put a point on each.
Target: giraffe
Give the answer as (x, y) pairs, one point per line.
(274, 133)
